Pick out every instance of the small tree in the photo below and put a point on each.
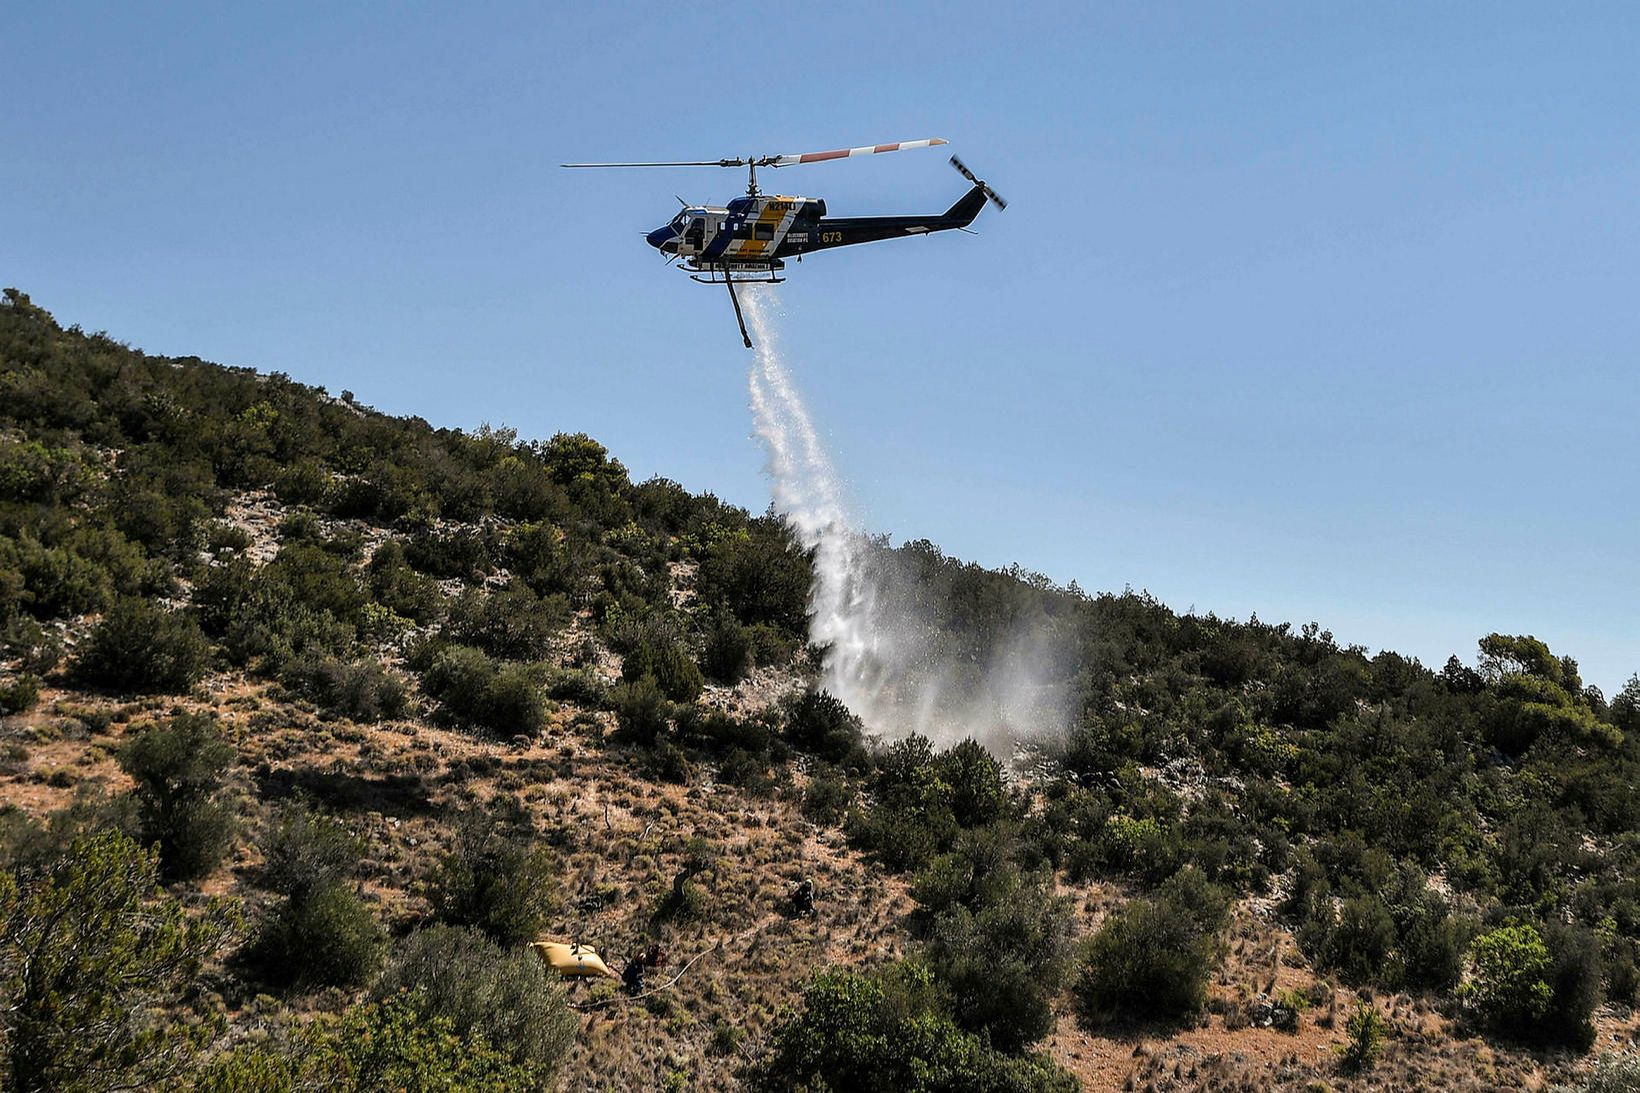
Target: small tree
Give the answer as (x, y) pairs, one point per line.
(362, 690)
(503, 994)
(887, 1033)
(1619, 1073)
(502, 697)
(978, 792)
(728, 653)
(178, 769)
(497, 882)
(1365, 1029)
(819, 723)
(20, 694)
(86, 951)
(329, 939)
(1004, 964)
(142, 648)
(392, 1044)
(641, 710)
(665, 659)
(1509, 990)
(306, 851)
(684, 900)
(1153, 956)
(321, 934)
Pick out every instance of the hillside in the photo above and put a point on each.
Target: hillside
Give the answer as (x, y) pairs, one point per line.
(375, 704)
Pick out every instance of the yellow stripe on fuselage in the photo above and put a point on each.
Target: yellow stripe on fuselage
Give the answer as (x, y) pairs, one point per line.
(769, 216)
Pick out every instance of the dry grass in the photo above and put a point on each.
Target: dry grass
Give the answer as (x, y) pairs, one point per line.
(619, 837)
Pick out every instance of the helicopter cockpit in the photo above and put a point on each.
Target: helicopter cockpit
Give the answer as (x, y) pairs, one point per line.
(685, 231)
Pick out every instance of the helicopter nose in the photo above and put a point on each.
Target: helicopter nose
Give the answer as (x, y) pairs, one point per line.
(660, 236)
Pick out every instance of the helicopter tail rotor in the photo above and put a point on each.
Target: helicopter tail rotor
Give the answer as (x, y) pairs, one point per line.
(962, 169)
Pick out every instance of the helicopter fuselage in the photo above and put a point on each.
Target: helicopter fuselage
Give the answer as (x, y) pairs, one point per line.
(756, 233)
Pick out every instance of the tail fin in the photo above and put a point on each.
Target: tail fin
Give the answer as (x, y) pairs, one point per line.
(974, 200)
(967, 207)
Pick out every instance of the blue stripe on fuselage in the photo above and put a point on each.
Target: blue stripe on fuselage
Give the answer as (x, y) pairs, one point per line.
(720, 242)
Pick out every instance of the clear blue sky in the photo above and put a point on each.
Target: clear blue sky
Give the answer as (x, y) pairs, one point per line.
(1323, 311)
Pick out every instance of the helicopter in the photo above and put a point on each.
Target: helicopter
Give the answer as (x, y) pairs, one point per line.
(750, 238)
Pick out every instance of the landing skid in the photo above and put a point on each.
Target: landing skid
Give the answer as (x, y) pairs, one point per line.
(723, 273)
(716, 275)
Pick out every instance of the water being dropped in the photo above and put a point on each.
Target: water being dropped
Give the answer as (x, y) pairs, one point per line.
(879, 656)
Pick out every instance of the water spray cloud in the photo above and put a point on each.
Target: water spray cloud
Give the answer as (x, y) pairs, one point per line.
(881, 658)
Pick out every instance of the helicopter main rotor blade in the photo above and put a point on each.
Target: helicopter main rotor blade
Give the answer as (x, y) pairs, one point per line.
(679, 163)
(848, 153)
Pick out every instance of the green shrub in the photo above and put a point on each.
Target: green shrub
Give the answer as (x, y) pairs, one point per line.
(1361, 944)
(1153, 957)
(322, 934)
(980, 870)
(362, 690)
(52, 581)
(393, 1044)
(19, 694)
(327, 939)
(686, 901)
(668, 763)
(463, 554)
(665, 660)
(901, 838)
(36, 649)
(818, 723)
(887, 1033)
(1575, 974)
(721, 732)
(513, 624)
(499, 992)
(641, 710)
(741, 768)
(978, 793)
(306, 851)
(29, 845)
(318, 578)
(1142, 847)
(1005, 962)
(394, 584)
(760, 574)
(578, 685)
(772, 645)
(261, 617)
(1613, 1073)
(305, 482)
(827, 797)
(1509, 988)
(910, 818)
(472, 688)
(178, 768)
(86, 944)
(142, 648)
(727, 656)
(1365, 1030)
(496, 882)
